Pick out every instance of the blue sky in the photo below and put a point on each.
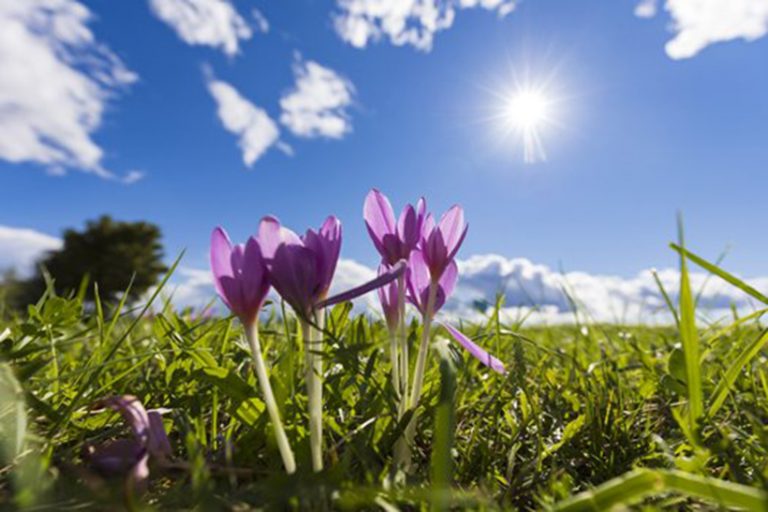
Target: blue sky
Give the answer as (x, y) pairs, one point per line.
(639, 135)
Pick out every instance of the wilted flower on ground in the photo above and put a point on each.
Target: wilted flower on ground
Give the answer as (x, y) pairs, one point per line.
(130, 457)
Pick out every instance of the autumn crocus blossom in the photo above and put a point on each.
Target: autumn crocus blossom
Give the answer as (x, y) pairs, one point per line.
(301, 269)
(393, 239)
(241, 278)
(440, 242)
(239, 274)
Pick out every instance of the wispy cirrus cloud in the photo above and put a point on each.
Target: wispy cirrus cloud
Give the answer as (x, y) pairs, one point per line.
(700, 23)
(214, 23)
(56, 79)
(317, 104)
(405, 22)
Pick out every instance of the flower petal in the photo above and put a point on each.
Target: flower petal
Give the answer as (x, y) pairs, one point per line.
(453, 229)
(254, 281)
(133, 412)
(387, 277)
(294, 276)
(417, 280)
(446, 285)
(474, 349)
(158, 444)
(379, 218)
(221, 260)
(272, 234)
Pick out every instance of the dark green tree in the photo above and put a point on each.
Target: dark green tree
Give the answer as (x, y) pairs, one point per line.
(109, 253)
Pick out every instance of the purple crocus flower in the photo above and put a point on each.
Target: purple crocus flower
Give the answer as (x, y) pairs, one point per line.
(242, 280)
(131, 456)
(442, 241)
(240, 275)
(418, 281)
(301, 269)
(394, 240)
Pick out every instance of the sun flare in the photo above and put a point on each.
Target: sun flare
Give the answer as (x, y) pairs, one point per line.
(526, 112)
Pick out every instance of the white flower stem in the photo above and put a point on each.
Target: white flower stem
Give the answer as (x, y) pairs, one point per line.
(403, 445)
(404, 362)
(313, 339)
(421, 358)
(260, 368)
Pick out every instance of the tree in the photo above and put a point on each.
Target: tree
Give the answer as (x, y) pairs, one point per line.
(109, 253)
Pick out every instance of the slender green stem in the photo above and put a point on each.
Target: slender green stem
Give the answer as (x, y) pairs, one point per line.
(260, 368)
(313, 338)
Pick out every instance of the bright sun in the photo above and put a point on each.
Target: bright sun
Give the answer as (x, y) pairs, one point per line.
(526, 112)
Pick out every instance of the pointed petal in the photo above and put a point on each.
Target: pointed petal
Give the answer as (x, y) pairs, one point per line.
(387, 277)
(417, 280)
(408, 229)
(294, 276)
(158, 444)
(477, 352)
(133, 412)
(272, 234)
(453, 228)
(221, 260)
(446, 285)
(254, 278)
(379, 217)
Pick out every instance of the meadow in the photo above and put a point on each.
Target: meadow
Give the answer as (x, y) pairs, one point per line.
(587, 417)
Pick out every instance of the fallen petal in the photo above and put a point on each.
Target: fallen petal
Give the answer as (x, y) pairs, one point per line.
(474, 349)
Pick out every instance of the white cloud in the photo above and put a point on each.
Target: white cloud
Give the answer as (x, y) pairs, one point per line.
(536, 293)
(256, 131)
(316, 107)
(404, 22)
(262, 24)
(55, 82)
(214, 23)
(699, 23)
(20, 248)
(646, 8)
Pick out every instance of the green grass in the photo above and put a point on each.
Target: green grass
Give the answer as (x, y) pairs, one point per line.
(587, 418)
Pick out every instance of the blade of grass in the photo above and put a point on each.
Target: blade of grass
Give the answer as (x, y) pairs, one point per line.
(733, 371)
(722, 274)
(689, 336)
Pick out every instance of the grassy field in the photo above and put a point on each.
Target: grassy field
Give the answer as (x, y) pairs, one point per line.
(588, 416)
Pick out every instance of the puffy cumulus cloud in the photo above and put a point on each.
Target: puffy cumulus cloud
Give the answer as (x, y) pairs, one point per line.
(55, 82)
(404, 22)
(536, 294)
(20, 248)
(255, 130)
(699, 23)
(316, 106)
(214, 23)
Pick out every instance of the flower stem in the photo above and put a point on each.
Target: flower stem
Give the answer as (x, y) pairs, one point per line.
(404, 363)
(260, 368)
(394, 355)
(403, 445)
(313, 338)
(421, 358)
